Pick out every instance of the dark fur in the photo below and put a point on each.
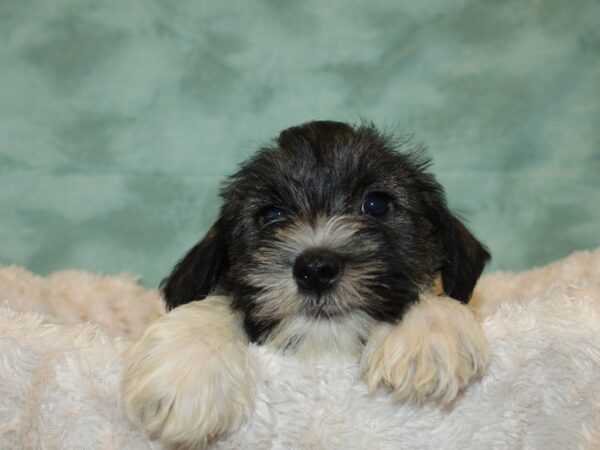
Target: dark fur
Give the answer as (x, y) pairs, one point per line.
(327, 168)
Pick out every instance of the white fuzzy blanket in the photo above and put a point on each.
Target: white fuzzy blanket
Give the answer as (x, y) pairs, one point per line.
(59, 375)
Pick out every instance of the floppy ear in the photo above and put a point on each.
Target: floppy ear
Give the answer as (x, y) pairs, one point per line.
(198, 272)
(462, 256)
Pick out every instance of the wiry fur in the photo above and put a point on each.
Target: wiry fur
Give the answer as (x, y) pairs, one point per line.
(304, 324)
(317, 177)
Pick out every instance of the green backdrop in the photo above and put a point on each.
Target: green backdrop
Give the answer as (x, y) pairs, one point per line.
(118, 118)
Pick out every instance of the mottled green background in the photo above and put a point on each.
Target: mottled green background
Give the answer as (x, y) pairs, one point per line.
(119, 118)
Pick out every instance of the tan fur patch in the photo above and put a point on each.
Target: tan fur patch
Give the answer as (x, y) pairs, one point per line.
(187, 380)
(432, 354)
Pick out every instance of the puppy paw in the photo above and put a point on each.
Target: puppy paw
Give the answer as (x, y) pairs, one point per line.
(187, 381)
(432, 354)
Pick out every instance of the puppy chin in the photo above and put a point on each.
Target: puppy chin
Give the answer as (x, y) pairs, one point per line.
(338, 338)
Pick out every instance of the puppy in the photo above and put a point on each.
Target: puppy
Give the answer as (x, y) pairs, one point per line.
(330, 244)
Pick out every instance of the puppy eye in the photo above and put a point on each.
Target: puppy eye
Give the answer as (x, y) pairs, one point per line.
(270, 214)
(376, 204)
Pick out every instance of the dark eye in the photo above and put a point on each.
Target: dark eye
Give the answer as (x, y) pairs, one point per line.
(270, 214)
(376, 204)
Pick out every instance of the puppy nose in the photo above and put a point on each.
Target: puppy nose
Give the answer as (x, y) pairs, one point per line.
(317, 270)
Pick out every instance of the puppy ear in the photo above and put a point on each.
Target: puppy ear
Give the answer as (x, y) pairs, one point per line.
(198, 272)
(462, 256)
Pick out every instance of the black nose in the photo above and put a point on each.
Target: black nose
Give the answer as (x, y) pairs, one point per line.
(317, 270)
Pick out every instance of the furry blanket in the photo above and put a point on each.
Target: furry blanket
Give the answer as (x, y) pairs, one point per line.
(61, 336)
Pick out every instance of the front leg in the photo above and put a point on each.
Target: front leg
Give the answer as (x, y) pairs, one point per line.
(432, 354)
(188, 380)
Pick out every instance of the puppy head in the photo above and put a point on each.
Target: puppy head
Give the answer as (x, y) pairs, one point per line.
(329, 225)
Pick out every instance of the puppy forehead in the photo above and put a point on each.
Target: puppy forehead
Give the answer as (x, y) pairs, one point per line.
(322, 168)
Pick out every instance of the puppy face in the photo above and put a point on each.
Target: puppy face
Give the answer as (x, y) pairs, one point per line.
(325, 233)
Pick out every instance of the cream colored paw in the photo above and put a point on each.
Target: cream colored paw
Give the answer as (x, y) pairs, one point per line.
(187, 380)
(432, 354)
